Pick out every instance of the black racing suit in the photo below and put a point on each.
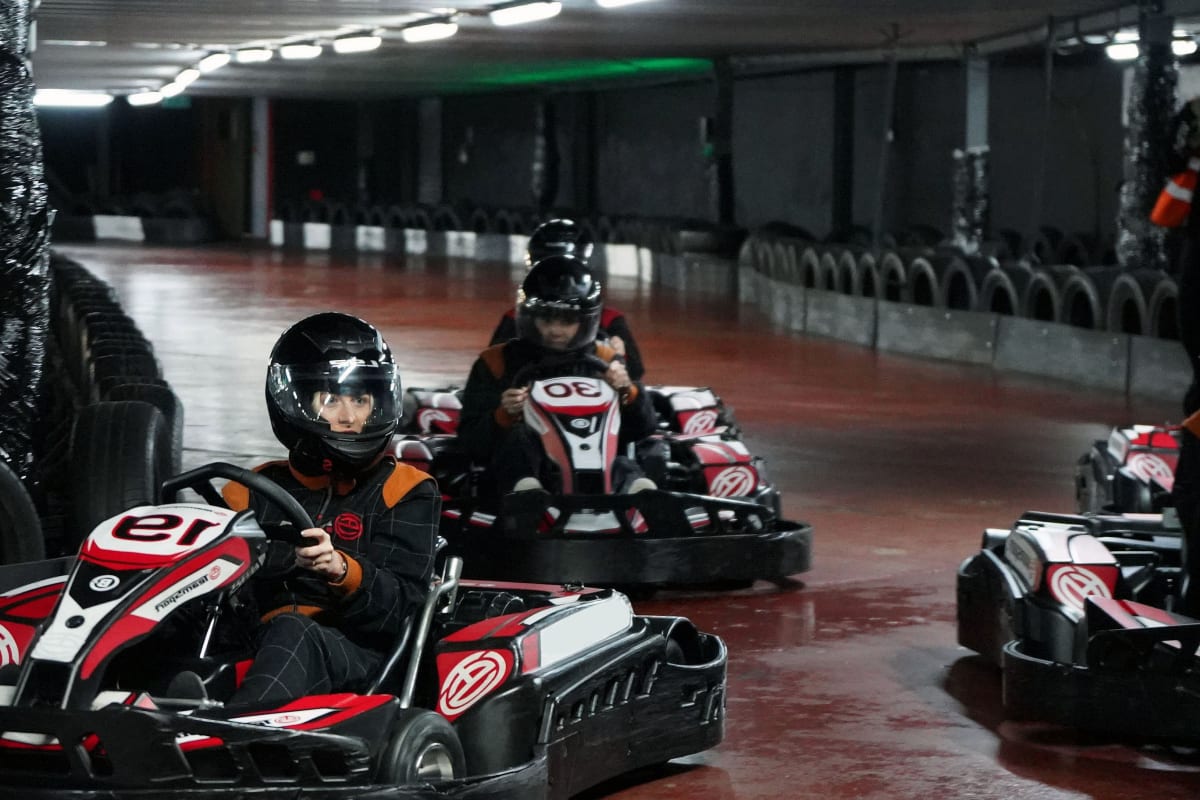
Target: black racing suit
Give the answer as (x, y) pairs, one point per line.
(1186, 493)
(319, 636)
(612, 323)
(510, 450)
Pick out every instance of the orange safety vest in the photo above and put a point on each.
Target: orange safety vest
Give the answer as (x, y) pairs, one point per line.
(1175, 202)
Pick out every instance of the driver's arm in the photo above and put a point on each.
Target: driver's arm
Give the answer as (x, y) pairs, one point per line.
(483, 422)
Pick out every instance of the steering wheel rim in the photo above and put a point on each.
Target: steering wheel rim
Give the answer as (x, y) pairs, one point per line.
(522, 377)
(200, 480)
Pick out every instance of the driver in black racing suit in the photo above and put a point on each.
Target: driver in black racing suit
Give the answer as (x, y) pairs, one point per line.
(558, 312)
(333, 608)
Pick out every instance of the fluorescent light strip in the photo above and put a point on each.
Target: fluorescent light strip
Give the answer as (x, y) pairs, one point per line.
(524, 12)
(213, 61)
(293, 52)
(252, 55)
(143, 98)
(429, 31)
(357, 44)
(69, 98)
(616, 3)
(1122, 51)
(171, 89)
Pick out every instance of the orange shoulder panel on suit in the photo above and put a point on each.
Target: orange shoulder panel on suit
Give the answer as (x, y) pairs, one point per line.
(401, 482)
(238, 495)
(494, 358)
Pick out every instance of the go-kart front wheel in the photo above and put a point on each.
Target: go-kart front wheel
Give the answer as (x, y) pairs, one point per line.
(423, 748)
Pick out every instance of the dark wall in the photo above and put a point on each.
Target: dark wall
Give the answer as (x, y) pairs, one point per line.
(487, 149)
(783, 132)
(327, 130)
(650, 159)
(1082, 145)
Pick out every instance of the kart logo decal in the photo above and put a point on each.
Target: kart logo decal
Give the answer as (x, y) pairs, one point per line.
(431, 419)
(1072, 584)
(733, 482)
(700, 422)
(9, 652)
(471, 679)
(104, 583)
(1150, 467)
(348, 526)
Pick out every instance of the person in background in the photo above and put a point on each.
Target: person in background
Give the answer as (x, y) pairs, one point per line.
(563, 237)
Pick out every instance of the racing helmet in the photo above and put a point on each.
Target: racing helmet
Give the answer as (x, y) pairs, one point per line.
(558, 237)
(559, 287)
(319, 363)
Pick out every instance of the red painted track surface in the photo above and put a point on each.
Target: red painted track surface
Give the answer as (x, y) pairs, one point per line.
(847, 685)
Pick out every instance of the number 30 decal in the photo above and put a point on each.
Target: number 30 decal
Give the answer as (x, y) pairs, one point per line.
(561, 390)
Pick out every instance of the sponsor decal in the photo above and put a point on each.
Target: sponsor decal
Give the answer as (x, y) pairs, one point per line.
(9, 652)
(214, 572)
(1072, 584)
(700, 422)
(104, 583)
(471, 679)
(183, 591)
(733, 482)
(285, 719)
(348, 526)
(1149, 467)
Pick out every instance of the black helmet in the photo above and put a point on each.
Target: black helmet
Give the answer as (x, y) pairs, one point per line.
(318, 362)
(558, 237)
(559, 287)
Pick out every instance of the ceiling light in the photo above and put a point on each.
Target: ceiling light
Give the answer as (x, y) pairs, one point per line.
(252, 55)
(68, 98)
(213, 61)
(522, 12)
(1122, 51)
(616, 3)
(143, 98)
(1183, 47)
(187, 77)
(429, 31)
(172, 89)
(357, 43)
(300, 50)
(1126, 36)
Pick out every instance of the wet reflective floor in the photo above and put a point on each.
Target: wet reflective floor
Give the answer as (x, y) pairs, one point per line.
(847, 683)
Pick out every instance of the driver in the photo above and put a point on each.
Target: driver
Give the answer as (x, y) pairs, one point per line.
(557, 314)
(334, 607)
(563, 237)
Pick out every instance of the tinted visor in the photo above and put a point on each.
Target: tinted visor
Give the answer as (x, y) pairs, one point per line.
(347, 397)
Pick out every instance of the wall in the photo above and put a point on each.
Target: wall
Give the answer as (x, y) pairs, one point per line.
(782, 137)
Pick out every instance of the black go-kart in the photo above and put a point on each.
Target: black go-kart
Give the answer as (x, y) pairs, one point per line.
(494, 690)
(1077, 613)
(1130, 472)
(715, 522)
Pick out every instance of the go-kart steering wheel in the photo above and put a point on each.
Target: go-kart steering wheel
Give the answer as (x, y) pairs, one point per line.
(200, 480)
(524, 375)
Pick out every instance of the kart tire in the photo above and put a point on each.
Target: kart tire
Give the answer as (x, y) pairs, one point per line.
(20, 528)
(120, 454)
(423, 748)
(166, 401)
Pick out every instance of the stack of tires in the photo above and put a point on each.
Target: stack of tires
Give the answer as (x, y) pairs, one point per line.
(122, 428)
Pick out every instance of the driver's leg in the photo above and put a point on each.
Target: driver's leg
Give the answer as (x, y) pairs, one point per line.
(297, 656)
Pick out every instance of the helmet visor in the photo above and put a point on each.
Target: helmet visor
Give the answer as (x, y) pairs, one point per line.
(347, 397)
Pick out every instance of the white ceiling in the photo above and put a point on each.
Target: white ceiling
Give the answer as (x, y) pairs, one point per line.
(136, 44)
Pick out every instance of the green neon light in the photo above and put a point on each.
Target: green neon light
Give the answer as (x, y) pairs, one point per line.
(595, 70)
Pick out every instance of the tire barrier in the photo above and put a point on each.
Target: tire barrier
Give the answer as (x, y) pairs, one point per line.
(116, 425)
(923, 287)
(810, 268)
(867, 272)
(1079, 250)
(1128, 308)
(1163, 307)
(1044, 246)
(827, 272)
(1083, 297)
(1042, 300)
(848, 279)
(961, 279)
(1003, 287)
(893, 277)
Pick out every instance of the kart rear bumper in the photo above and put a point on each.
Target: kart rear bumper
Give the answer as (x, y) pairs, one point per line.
(1127, 703)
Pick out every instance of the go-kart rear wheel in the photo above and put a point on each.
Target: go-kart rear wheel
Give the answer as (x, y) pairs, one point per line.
(423, 748)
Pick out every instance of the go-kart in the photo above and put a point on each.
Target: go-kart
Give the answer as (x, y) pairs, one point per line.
(1132, 471)
(713, 521)
(1076, 611)
(494, 690)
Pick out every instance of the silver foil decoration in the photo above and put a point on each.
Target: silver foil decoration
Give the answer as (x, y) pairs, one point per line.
(24, 244)
(972, 202)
